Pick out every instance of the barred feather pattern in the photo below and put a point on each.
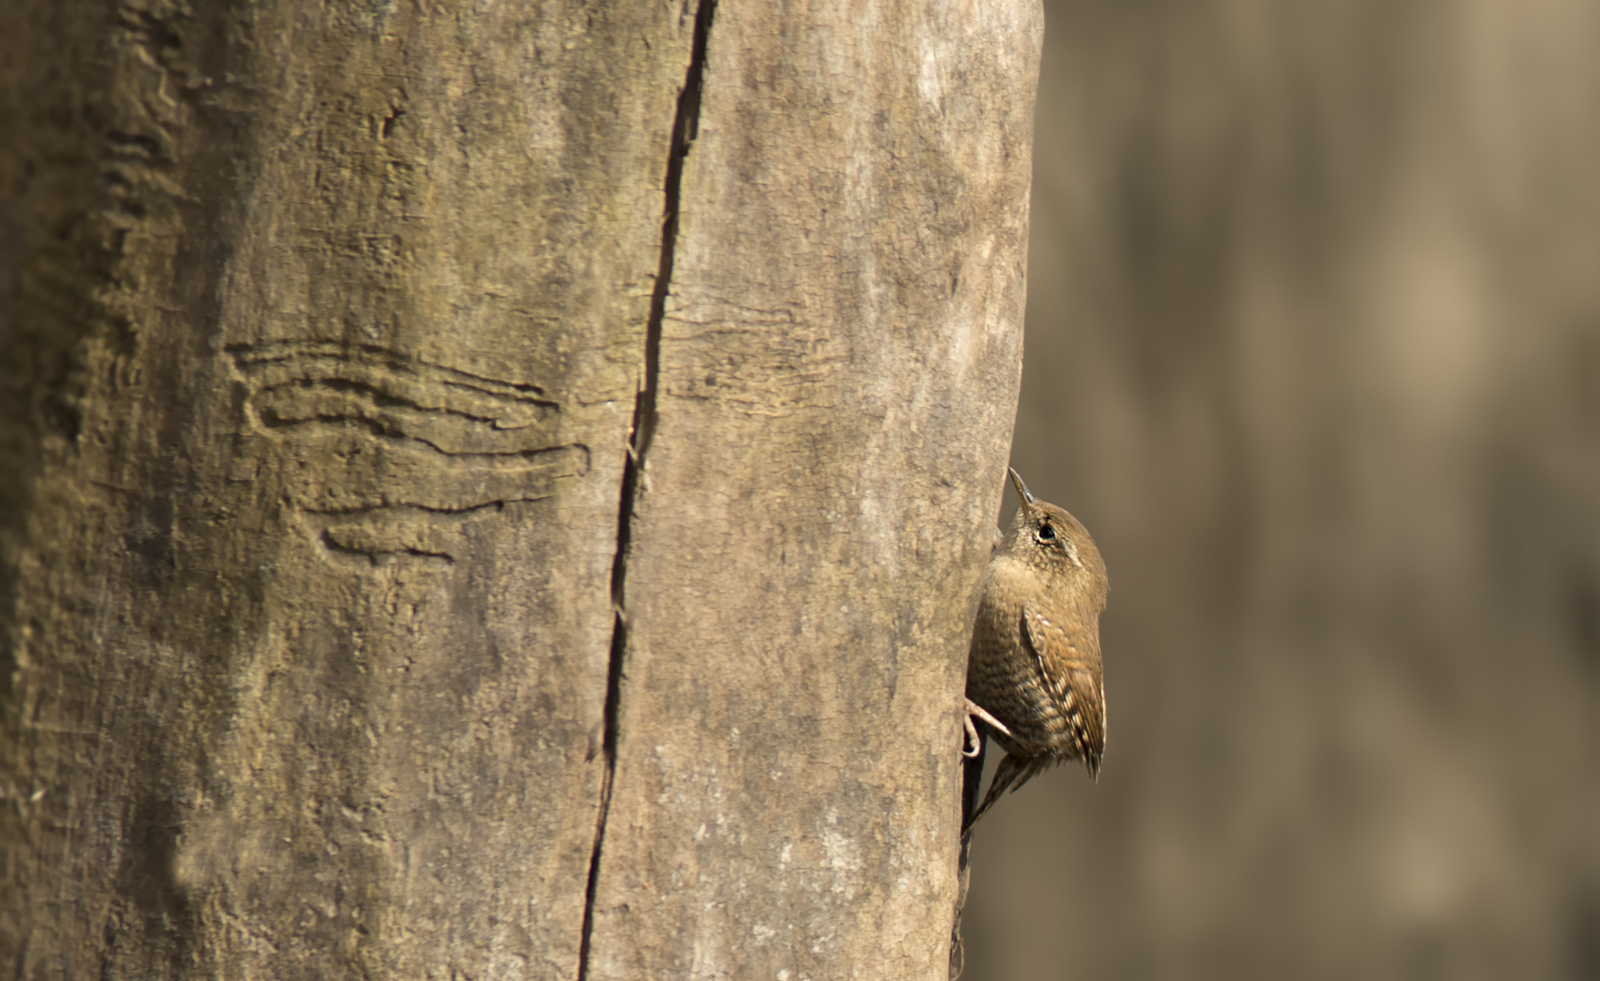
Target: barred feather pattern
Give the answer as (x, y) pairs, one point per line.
(1062, 715)
(1035, 661)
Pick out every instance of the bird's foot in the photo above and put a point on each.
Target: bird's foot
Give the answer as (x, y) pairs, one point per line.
(973, 747)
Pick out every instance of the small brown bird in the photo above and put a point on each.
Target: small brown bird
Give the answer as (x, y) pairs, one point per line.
(1034, 672)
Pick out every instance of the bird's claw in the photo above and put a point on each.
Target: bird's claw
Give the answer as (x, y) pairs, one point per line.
(973, 745)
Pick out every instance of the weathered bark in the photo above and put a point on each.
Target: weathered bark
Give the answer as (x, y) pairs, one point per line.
(837, 362)
(496, 491)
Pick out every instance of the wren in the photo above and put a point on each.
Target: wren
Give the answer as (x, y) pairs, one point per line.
(1034, 673)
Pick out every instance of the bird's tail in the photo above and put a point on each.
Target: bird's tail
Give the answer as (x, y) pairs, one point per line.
(1012, 773)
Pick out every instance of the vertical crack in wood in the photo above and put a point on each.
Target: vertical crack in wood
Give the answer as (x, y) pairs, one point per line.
(685, 127)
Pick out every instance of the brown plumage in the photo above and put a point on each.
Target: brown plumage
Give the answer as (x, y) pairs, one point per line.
(1034, 664)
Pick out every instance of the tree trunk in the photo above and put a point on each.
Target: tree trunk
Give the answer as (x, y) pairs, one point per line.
(497, 491)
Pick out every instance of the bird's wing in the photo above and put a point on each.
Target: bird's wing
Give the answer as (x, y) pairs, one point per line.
(1068, 683)
(1052, 649)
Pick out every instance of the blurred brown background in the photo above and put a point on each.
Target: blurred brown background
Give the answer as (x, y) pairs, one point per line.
(1314, 351)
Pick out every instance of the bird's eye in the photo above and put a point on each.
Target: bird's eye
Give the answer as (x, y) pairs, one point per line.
(1047, 533)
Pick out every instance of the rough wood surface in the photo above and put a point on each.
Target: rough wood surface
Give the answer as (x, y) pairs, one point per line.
(328, 652)
(837, 363)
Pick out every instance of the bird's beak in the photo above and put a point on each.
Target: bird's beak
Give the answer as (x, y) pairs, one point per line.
(1022, 489)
